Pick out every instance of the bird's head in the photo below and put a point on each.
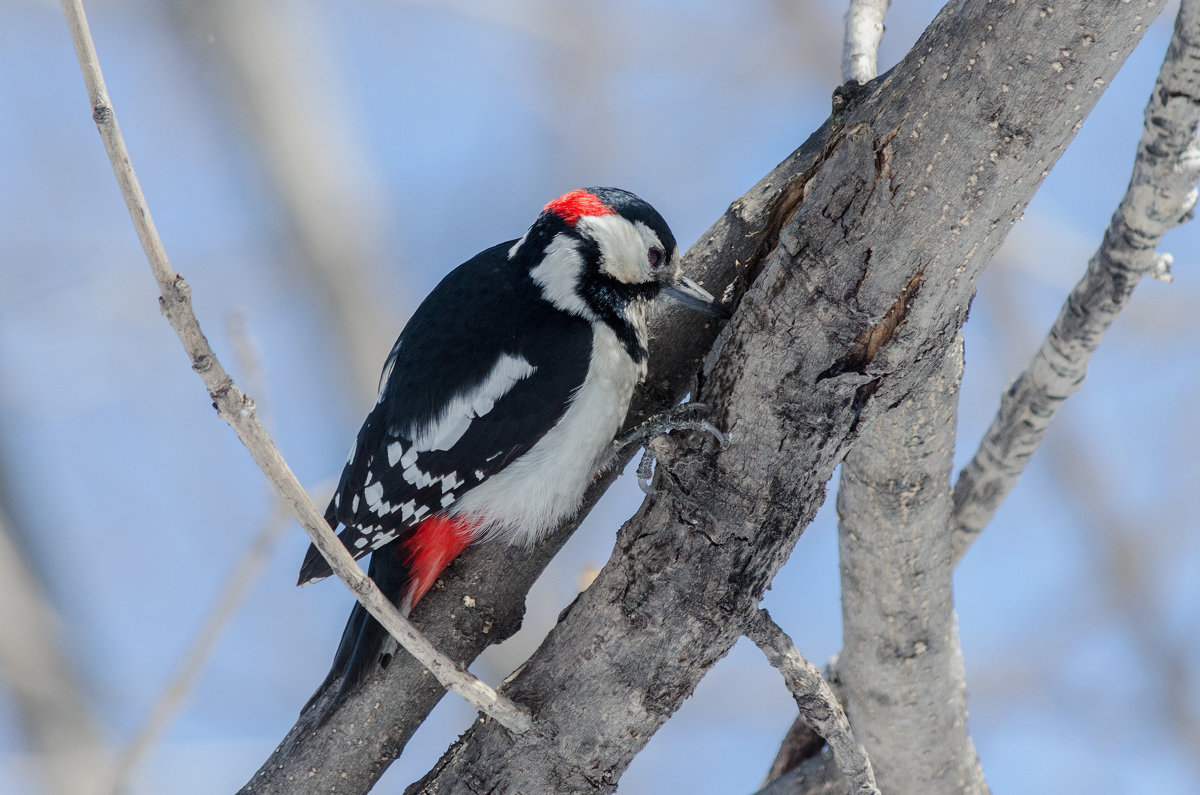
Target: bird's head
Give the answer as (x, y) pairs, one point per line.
(604, 254)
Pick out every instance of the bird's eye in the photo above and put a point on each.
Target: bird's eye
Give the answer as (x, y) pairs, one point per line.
(655, 256)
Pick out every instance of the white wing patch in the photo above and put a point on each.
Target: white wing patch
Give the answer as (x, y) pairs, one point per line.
(445, 431)
(532, 494)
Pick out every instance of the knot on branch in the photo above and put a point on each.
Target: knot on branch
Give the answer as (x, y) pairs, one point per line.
(102, 113)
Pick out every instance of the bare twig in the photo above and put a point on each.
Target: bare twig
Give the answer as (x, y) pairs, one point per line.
(1161, 195)
(864, 30)
(238, 410)
(818, 705)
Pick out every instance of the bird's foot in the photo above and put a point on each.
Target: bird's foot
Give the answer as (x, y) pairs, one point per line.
(679, 418)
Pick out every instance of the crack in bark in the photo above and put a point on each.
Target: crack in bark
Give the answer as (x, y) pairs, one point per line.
(871, 340)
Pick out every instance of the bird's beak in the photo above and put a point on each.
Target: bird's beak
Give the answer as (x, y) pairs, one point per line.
(690, 294)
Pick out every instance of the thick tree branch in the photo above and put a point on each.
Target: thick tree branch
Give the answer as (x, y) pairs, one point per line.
(866, 282)
(472, 609)
(818, 705)
(1161, 195)
(237, 409)
(901, 667)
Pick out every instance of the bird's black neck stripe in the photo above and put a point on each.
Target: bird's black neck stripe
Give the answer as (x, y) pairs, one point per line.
(609, 298)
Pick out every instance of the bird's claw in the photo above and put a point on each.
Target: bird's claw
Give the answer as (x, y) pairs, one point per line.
(675, 419)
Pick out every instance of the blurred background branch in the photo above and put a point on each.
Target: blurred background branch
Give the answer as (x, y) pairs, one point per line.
(40, 676)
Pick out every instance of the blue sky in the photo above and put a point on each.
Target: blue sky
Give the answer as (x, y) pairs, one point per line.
(464, 119)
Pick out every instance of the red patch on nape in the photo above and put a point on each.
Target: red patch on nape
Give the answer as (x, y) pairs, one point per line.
(575, 205)
(429, 549)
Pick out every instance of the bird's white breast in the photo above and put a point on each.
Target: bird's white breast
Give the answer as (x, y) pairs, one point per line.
(535, 492)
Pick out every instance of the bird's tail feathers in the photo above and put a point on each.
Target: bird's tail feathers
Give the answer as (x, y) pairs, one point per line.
(404, 571)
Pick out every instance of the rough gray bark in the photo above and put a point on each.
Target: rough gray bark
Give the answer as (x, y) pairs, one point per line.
(868, 281)
(1161, 195)
(355, 745)
(818, 775)
(901, 667)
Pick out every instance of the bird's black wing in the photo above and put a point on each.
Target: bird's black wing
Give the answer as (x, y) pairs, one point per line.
(510, 366)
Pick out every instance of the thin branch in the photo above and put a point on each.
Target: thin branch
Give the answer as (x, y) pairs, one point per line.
(864, 31)
(819, 707)
(238, 409)
(1161, 195)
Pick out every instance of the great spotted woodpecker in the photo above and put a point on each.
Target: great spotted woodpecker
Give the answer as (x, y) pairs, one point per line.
(499, 401)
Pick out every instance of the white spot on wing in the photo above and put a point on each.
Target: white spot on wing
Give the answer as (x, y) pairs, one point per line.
(447, 499)
(479, 473)
(373, 494)
(417, 477)
(409, 458)
(475, 402)
(360, 542)
(395, 450)
(354, 504)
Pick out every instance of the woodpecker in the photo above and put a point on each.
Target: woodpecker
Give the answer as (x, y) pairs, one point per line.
(500, 400)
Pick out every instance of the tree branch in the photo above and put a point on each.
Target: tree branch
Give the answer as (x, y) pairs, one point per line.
(238, 410)
(355, 744)
(864, 31)
(818, 705)
(901, 667)
(1161, 195)
(867, 279)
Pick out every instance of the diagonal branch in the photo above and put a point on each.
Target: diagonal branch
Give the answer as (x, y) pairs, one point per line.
(818, 705)
(238, 410)
(1161, 195)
